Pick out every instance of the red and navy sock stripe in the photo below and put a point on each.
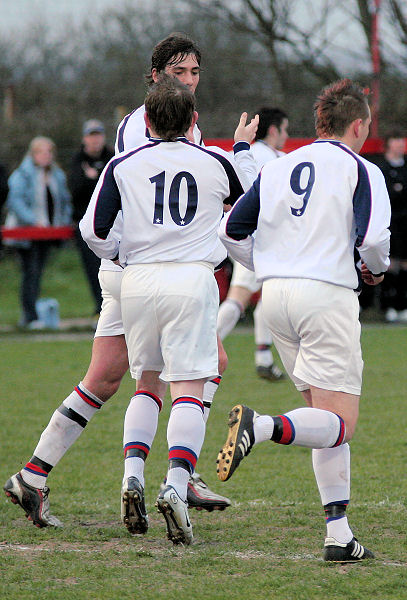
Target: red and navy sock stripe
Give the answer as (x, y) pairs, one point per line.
(182, 453)
(153, 397)
(139, 449)
(341, 435)
(284, 430)
(188, 400)
(87, 398)
(38, 467)
(216, 380)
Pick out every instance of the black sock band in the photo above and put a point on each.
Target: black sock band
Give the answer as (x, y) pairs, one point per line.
(335, 510)
(73, 415)
(34, 460)
(179, 462)
(135, 452)
(284, 431)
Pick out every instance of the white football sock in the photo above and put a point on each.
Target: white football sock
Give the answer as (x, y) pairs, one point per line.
(185, 436)
(228, 315)
(140, 426)
(262, 333)
(263, 358)
(263, 428)
(178, 478)
(312, 428)
(209, 391)
(63, 429)
(332, 474)
(134, 467)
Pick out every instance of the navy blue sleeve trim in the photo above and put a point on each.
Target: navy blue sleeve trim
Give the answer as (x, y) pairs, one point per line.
(108, 205)
(362, 204)
(239, 146)
(235, 187)
(243, 218)
(108, 201)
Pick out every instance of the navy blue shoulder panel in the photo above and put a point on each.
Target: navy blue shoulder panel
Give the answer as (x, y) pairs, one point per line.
(120, 135)
(235, 187)
(362, 197)
(362, 204)
(108, 202)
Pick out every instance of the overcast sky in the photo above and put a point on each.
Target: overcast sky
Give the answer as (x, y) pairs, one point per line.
(15, 14)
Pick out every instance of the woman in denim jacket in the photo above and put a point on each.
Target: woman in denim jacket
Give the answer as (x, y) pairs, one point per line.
(38, 196)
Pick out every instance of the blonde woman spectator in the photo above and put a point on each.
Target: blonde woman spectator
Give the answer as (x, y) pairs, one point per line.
(38, 196)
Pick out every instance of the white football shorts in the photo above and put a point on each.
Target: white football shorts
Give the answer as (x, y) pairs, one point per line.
(244, 278)
(169, 314)
(110, 319)
(316, 330)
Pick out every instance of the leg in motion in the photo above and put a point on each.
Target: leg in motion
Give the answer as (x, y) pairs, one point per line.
(140, 426)
(185, 434)
(28, 487)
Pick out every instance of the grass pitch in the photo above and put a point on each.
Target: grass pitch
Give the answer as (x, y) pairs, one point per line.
(268, 544)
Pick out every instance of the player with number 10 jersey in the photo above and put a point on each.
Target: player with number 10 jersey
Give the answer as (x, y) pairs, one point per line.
(169, 213)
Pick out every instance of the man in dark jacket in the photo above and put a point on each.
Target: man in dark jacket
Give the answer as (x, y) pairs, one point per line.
(87, 165)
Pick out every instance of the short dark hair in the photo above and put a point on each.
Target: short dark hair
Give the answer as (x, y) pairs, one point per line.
(338, 105)
(268, 117)
(170, 106)
(173, 46)
(394, 133)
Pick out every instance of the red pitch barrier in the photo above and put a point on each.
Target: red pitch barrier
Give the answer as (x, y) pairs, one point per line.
(37, 233)
(371, 146)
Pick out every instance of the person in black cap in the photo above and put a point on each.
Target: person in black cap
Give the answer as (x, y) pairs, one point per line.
(87, 165)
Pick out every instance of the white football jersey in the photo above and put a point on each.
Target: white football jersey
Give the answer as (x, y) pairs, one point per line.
(311, 209)
(171, 196)
(132, 131)
(262, 153)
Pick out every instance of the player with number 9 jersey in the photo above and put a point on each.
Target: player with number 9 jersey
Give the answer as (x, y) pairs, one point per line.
(319, 200)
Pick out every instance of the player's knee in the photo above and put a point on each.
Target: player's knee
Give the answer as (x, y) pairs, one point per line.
(111, 386)
(150, 382)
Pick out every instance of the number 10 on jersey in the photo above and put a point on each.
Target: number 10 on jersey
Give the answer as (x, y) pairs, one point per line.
(174, 198)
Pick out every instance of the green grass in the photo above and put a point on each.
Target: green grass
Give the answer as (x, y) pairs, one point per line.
(63, 279)
(268, 544)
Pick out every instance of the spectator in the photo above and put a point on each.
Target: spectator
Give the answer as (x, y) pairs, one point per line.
(3, 194)
(38, 196)
(87, 165)
(393, 165)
